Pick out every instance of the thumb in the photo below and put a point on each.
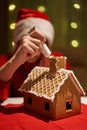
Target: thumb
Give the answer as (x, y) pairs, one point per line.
(37, 34)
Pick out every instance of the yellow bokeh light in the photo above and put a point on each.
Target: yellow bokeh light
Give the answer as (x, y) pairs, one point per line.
(13, 44)
(12, 7)
(74, 43)
(41, 8)
(74, 25)
(77, 6)
(12, 26)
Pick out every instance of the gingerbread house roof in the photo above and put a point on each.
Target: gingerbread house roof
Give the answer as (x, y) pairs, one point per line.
(41, 83)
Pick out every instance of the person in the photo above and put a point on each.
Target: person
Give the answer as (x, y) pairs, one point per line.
(32, 28)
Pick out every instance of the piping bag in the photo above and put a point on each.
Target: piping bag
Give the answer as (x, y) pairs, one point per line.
(45, 50)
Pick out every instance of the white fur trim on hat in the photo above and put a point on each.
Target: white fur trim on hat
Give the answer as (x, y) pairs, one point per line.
(25, 25)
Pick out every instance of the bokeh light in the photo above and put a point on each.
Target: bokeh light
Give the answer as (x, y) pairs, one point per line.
(12, 7)
(74, 43)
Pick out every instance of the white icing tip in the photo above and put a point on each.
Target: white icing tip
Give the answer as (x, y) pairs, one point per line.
(45, 50)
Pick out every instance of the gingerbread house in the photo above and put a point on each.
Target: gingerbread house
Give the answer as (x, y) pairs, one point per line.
(54, 92)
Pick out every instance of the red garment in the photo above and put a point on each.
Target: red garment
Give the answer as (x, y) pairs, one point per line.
(10, 88)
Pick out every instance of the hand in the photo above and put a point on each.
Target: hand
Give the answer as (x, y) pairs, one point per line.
(30, 47)
(28, 50)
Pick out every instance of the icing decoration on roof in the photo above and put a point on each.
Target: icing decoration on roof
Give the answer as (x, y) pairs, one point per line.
(41, 83)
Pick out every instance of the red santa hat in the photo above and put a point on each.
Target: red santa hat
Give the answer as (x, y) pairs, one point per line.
(27, 19)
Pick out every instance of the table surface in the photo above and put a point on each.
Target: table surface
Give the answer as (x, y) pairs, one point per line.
(14, 116)
(20, 100)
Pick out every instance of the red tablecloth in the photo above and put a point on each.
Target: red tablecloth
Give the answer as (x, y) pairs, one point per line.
(15, 117)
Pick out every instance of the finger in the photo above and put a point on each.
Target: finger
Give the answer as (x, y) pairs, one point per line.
(32, 49)
(37, 42)
(36, 34)
(28, 49)
(33, 42)
(35, 47)
(30, 40)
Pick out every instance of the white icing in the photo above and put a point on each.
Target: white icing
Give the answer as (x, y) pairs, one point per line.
(45, 50)
(49, 84)
(53, 93)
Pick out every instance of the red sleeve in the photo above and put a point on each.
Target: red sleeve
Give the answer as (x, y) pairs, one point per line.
(4, 86)
(68, 67)
(4, 90)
